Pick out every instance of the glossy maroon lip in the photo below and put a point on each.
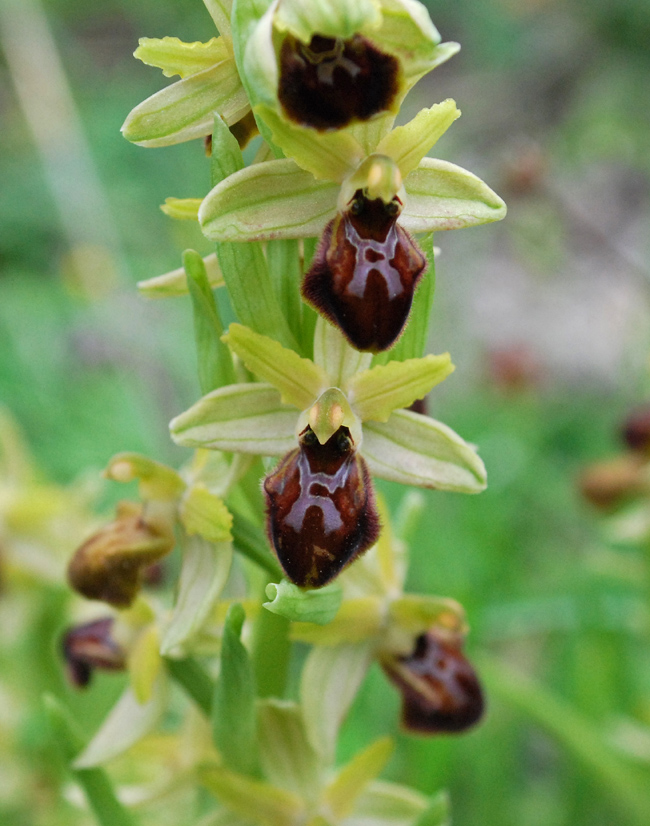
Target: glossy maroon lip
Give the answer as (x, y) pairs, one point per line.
(320, 508)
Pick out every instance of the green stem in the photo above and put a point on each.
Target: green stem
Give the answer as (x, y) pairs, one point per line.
(271, 653)
(193, 678)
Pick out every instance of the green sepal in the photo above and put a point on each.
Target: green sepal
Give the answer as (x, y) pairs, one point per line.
(288, 759)
(254, 800)
(174, 283)
(205, 514)
(186, 109)
(413, 341)
(329, 683)
(95, 782)
(358, 619)
(416, 613)
(204, 572)
(175, 57)
(220, 11)
(408, 144)
(182, 209)
(214, 361)
(390, 804)
(283, 261)
(441, 195)
(415, 450)
(155, 480)
(342, 792)
(246, 418)
(244, 266)
(333, 353)
(299, 605)
(298, 380)
(376, 393)
(274, 199)
(327, 155)
(233, 707)
(330, 18)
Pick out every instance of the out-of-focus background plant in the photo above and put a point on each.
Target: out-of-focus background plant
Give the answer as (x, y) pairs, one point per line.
(546, 317)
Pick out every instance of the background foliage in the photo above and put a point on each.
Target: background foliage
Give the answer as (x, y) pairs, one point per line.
(546, 317)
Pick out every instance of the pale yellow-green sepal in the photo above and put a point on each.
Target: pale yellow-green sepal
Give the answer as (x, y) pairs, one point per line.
(357, 620)
(390, 804)
(219, 11)
(246, 418)
(328, 155)
(175, 57)
(174, 283)
(442, 195)
(156, 481)
(341, 795)
(260, 802)
(299, 380)
(408, 144)
(415, 450)
(182, 209)
(186, 109)
(377, 392)
(274, 199)
(204, 513)
(331, 18)
(204, 571)
(414, 614)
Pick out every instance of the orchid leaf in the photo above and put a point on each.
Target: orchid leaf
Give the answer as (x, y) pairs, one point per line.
(296, 604)
(175, 57)
(204, 572)
(408, 144)
(330, 156)
(257, 801)
(341, 794)
(274, 199)
(233, 708)
(377, 392)
(247, 418)
(174, 283)
(415, 450)
(287, 757)
(441, 195)
(298, 380)
(185, 110)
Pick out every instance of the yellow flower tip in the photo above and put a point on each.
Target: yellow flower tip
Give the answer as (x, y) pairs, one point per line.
(120, 471)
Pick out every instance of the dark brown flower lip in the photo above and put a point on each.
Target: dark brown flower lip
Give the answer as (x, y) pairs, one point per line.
(90, 646)
(330, 82)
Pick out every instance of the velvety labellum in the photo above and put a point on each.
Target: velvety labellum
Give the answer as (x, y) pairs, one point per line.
(441, 693)
(365, 273)
(89, 646)
(320, 508)
(332, 82)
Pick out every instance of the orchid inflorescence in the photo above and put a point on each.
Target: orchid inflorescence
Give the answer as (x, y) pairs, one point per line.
(336, 207)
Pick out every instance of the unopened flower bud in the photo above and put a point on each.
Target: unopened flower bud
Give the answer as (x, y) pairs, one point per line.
(441, 693)
(89, 646)
(636, 431)
(110, 565)
(608, 484)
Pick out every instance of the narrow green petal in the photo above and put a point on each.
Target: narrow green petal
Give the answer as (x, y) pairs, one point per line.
(299, 380)
(174, 283)
(204, 571)
(287, 758)
(416, 450)
(330, 680)
(155, 480)
(205, 514)
(298, 605)
(233, 707)
(331, 18)
(127, 722)
(275, 199)
(333, 353)
(416, 613)
(389, 804)
(358, 620)
(254, 800)
(342, 793)
(408, 144)
(246, 418)
(219, 11)
(441, 195)
(186, 109)
(175, 57)
(183, 209)
(327, 155)
(375, 393)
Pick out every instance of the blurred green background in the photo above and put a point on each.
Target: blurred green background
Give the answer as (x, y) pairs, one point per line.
(545, 315)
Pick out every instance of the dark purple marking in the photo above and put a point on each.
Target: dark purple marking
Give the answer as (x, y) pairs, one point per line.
(90, 646)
